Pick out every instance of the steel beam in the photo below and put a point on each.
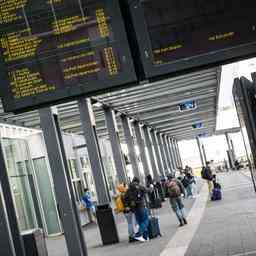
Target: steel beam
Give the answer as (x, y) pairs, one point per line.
(167, 153)
(151, 153)
(130, 144)
(142, 147)
(200, 151)
(157, 152)
(162, 151)
(68, 213)
(115, 145)
(89, 130)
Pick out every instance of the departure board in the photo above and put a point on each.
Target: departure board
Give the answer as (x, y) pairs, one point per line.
(55, 50)
(176, 35)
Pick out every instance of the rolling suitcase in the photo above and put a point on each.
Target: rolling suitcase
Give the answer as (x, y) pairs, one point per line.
(153, 227)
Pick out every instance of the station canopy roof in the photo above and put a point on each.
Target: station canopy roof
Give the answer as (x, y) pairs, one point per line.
(155, 104)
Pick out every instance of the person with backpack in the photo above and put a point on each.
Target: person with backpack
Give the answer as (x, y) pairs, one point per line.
(121, 208)
(187, 182)
(207, 175)
(175, 191)
(135, 200)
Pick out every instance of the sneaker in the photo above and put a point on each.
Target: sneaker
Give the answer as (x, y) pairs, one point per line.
(140, 238)
(132, 240)
(185, 221)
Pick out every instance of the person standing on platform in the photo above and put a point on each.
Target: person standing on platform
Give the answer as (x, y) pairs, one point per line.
(121, 208)
(135, 199)
(89, 205)
(208, 176)
(175, 191)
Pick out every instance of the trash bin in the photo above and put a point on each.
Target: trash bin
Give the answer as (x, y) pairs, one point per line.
(107, 224)
(34, 242)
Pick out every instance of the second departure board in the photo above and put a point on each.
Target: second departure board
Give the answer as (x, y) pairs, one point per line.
(177, 35)
(53, 50)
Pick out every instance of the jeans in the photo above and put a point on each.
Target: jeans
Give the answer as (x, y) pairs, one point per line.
(178, 208)
(189, 190)
(142, 218)
(130, 222)
(210, 186)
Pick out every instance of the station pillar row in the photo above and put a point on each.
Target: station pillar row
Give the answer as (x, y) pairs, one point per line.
(175, 152)
(162, 151)
(178, 152)
(151, 153)
(131, 145)
(115, 145)
(157, 153)
(172, 156)
(167, 153)
(142, 147)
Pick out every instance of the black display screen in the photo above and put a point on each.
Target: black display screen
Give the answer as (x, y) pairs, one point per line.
(52, 50)
(175, 35)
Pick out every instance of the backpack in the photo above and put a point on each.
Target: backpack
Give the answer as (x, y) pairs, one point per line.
(174, 189)
(206, 173)
(119, 204)
(134, 197)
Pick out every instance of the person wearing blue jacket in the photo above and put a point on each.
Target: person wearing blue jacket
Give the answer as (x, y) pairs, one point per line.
(89, 205)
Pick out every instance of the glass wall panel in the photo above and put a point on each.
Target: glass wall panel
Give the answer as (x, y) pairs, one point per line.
(46, 196)
(15, 155)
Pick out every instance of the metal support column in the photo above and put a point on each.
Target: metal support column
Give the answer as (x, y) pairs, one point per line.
(89, 130)
(157, 152)
(58, 162)
(6, 242)
(200, 151)
(233, 149)
(167, 153)
(230, 151)
(115, 145)
(104, 213)
(142, 147)
(162, 150)
(178, 153)
(175, 153)
(151, 153)
(204, 154)
(130, 144)
(172, 157)
(10, 208)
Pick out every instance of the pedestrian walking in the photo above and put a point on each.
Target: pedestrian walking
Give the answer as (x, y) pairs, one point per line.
(175, 191)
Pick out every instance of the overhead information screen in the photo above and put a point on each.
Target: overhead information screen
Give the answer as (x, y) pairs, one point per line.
(175, 35)
(53, 50)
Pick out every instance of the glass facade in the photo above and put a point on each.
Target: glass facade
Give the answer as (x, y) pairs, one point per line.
(46, 196)
(16, 156)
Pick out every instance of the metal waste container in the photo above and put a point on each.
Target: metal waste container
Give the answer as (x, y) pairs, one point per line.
(107, 224)
(34, 242)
